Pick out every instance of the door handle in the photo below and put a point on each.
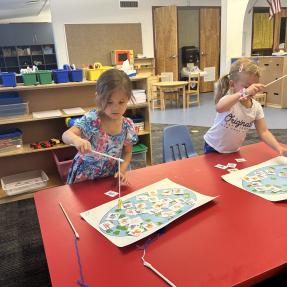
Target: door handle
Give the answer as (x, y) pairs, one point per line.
(173, 56)
(203, 54)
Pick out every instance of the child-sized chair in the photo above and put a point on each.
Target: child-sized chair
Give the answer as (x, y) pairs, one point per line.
(192, 93)
(177, 143)
(153, 94)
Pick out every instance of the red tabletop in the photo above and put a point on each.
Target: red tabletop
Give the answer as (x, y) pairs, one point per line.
(238, 239)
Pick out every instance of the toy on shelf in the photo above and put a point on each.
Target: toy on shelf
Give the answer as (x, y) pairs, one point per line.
(45, 144)
(71, 121)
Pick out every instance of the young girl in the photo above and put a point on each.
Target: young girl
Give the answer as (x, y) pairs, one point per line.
(104, 130)
(237, 111)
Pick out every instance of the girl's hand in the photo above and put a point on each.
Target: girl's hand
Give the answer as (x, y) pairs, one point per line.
(123, 178)
(252, 91)
(283, 152)
(83, 146)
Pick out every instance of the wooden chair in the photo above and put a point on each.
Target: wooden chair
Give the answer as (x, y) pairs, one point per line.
(156, 102)
(171, 94)
(260, 98)
(192, 92)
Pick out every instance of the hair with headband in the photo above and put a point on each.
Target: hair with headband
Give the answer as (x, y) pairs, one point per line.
(242, 65)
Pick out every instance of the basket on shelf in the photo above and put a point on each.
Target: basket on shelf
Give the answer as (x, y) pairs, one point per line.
(94, 74)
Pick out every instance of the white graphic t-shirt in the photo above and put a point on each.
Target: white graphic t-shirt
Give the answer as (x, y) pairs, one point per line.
(230, 128)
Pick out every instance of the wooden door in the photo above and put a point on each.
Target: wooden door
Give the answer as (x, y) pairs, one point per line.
(209, 31)
(165, 40)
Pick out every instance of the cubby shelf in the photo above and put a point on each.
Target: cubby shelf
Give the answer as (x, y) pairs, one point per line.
(14, 58)
(56, 97)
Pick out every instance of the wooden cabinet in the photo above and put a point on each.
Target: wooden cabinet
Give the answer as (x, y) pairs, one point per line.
(51, 97)
(144, 66)
(14, 58)
(272, 68)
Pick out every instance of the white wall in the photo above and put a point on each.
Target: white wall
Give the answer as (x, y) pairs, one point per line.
(108, 11)
(232, 19)
(44, 16)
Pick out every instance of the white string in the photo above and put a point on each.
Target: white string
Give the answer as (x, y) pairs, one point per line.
(70, 222)
(109, 156)
(147, 264)
(119, 173)
(275, 81)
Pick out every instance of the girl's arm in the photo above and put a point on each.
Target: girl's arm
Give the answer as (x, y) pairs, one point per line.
(127, 156)
(73, 137)
(225, 104)
(268, 137)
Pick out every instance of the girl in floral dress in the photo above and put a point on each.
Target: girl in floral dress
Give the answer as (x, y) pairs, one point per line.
(104, 130)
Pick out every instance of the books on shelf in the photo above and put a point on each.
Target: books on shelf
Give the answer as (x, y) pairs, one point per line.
(139, 96)
(47, 114)
(73, 111)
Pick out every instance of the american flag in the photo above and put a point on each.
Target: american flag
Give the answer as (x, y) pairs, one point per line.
(275, 7)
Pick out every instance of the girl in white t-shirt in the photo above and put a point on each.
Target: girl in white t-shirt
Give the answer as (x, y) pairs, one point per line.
(237, 111)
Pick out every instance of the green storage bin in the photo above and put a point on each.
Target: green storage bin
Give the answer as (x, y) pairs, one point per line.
(139, 148)
(44, 77)
(138, 156)
(29, 79)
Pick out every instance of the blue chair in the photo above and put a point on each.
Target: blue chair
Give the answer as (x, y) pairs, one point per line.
(177, 143)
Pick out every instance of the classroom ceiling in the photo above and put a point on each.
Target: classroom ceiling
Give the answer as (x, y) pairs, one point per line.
(20, 8)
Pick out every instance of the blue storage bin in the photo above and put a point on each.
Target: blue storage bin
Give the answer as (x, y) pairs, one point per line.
(10, 98)
(8, 79)
(61, 76)
(11, 104)
(10, 139)
(10, 133)
(76, 75)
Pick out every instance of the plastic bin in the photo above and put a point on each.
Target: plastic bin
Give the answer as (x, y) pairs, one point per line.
(94, 74)
(76, 75)
(44, 77)
(10, 140)
(63, 159)
(61, 76)
(12, 110)
(8, 79)
(10, 98)
(29, 79)
(24, 182)
(139, 156)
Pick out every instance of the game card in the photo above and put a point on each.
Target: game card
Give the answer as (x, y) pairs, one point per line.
(111, 193)
(221, 166)
(240, 159)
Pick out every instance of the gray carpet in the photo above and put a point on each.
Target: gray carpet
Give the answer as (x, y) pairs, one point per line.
(23, 262)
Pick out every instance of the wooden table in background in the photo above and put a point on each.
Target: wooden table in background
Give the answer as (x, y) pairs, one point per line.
(163, 86)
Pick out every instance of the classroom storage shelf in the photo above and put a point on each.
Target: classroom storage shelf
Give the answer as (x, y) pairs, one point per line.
(56, 97)
(14, 58)
(29, 117)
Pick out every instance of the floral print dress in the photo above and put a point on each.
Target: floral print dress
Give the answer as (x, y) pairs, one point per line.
(91, 166)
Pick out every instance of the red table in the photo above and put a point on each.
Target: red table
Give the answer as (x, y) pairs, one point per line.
(239, 239)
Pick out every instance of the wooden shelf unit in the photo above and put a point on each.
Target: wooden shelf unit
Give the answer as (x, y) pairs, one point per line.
(52, 97)
(144, 66)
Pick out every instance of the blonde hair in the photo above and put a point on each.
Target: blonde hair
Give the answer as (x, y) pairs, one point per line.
(245, 65)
